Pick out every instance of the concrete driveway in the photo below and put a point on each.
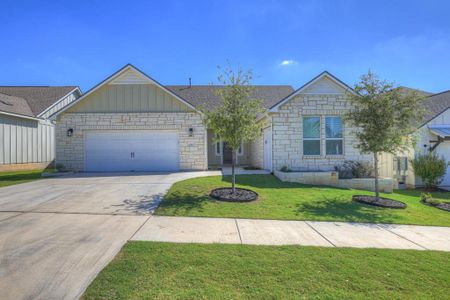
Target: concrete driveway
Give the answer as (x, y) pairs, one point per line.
(57, 234)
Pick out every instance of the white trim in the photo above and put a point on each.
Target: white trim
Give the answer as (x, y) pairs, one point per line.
(114, 76)
(313, 81)
(20, 116)
(60, 100)
(437, 115)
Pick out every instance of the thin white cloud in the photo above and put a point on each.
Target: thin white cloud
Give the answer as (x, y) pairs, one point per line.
(287, 62)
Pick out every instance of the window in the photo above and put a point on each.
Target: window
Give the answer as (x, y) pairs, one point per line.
(333, 135)
(311, 136)
(218, 146)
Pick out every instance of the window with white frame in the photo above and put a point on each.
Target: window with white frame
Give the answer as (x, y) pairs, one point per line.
(333, 136)
(311, 135)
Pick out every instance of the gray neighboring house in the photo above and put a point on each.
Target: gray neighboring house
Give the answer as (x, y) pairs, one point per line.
(131, 122)
(26, 133)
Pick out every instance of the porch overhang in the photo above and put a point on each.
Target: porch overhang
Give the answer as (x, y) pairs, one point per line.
(442, 132)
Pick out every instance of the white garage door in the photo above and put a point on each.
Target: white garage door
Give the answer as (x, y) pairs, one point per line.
(131, 150)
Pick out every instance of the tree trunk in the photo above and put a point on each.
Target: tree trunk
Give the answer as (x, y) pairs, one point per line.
(377, 189)
(233, 176)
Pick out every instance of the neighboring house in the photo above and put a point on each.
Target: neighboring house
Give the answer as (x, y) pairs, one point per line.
(131, 122)
(26, 133)
(433, 134)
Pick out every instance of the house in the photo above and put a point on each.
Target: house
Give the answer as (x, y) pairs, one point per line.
(26, 133)
(433, 134)
(131, 122)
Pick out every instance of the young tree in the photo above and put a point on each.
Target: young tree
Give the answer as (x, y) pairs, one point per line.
(384, 116)
(234, 121)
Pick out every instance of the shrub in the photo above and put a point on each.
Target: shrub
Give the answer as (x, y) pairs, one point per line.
(60, 167)
(354, 169)
(285, 169)
(430, 167)
(425, 197)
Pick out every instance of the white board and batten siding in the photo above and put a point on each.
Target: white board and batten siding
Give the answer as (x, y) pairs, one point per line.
(59, 105)
(324, 86)
(24, 141)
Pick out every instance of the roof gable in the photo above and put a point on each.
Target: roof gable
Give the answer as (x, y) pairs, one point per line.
(324, 83)
(128, 75)
(435, 105)
(131, 76)
(38, 98)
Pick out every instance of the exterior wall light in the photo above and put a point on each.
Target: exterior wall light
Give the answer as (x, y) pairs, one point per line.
(69, 132)
(191, 131)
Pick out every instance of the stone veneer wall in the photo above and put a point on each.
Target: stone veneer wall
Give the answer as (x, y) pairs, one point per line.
(70, 150)
(257, 152)
(330, 178)
(288, 132)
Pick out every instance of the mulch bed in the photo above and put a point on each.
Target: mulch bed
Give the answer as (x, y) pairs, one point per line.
(226, 194)
(443, 205)
(381, 202)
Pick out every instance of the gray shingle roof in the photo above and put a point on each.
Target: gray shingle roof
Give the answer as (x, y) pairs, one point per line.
(206, 96)
(15, 105)
(38, 98)
(436, 104)
(404, 90)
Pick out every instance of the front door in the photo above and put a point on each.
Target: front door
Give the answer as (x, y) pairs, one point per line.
(268, 149)
(227, 154)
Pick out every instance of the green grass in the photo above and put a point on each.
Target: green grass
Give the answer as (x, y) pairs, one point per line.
(147, 270)
(11, 178)
(291, 201)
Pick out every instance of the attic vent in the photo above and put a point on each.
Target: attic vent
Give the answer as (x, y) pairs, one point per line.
(6, 103)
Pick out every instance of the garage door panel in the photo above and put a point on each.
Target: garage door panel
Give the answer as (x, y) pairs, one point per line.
(129, 150)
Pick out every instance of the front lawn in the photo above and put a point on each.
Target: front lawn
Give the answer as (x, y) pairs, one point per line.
(147, 270)
(11, 178)
(292, 201)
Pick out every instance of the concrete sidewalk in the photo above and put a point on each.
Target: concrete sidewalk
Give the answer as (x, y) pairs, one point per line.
(306, 233)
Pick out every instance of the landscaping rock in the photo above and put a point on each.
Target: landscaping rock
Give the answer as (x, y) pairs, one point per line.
(240, 195)
(381, 202)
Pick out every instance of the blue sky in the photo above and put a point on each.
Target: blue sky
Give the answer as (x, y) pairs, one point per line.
(283, 42)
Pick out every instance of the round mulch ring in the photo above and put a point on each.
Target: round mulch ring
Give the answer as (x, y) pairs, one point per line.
(381, 202)
(241, 195)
